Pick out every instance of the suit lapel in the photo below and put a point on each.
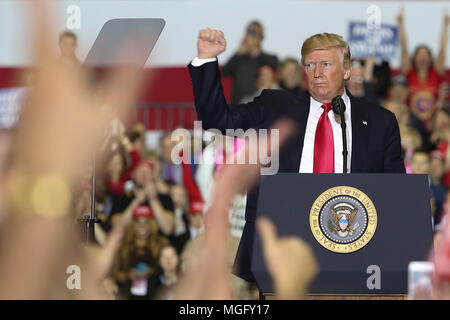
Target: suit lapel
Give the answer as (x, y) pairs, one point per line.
(360, 136)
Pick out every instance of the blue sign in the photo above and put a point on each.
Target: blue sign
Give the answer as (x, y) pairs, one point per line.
(366, 41)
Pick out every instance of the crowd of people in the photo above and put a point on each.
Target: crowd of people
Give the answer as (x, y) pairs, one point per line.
(167, 207)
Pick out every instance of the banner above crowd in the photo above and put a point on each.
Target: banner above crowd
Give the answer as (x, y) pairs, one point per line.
(365, 41)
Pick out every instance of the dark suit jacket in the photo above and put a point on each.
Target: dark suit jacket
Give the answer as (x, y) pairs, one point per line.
(375, 135)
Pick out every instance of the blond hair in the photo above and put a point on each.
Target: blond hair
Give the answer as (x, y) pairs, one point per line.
(324, 41)
(408, 132)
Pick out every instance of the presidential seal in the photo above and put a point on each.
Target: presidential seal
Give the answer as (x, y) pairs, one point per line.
(343, 219)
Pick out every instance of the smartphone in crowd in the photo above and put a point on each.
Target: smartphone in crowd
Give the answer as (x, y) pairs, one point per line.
(420, 280)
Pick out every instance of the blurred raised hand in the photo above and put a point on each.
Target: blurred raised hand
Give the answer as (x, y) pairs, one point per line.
(66, 120)
(290, 261)
(400, 16)
(60, 129)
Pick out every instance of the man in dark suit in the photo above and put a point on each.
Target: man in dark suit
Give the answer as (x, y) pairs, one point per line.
(373, 138)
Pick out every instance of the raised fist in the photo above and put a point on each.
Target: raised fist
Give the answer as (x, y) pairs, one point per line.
(210, 43)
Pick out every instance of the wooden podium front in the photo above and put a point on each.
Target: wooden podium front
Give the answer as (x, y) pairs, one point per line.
(327, 296)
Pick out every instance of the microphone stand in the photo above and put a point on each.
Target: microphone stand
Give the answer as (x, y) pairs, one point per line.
(88, 222)
(339, 108)
(344, 140)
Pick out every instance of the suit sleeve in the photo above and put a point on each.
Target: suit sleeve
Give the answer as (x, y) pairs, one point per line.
(393, 161)
(211, 106)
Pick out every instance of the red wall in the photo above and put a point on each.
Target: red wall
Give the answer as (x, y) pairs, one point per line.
(163, 84)
(168, 93)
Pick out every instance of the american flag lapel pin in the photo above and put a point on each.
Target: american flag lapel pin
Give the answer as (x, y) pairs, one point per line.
(364, 122)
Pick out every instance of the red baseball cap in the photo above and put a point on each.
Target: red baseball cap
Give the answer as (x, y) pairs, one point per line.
(143, 210)
(196, 207)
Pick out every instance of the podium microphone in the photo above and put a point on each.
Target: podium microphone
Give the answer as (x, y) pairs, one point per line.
(339, 108)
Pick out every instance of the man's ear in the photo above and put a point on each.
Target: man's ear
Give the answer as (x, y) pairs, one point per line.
(347, 73)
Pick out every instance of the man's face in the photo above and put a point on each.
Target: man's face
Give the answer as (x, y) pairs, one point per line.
(325, 74)
(142, 175)
(68, 46)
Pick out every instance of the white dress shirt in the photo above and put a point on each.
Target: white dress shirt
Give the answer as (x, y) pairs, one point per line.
(197, 62)
(315, 111)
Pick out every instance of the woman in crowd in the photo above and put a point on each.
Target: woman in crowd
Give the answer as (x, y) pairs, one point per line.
(162, 282)
(119, 161)
(424, 74)
(138, 256)
(115, 165)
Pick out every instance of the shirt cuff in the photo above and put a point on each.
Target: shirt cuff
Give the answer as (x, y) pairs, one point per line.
(197, 62)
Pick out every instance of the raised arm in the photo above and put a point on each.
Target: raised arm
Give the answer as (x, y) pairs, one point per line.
(405, 59)
(439, 65)
(163, 217)
(210, 101)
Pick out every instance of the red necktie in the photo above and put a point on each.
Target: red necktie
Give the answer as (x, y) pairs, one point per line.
(323, 144)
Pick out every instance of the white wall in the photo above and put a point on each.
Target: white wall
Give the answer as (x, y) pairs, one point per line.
(287, 23)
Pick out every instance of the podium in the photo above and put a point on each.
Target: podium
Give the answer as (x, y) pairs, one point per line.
(364, 229)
